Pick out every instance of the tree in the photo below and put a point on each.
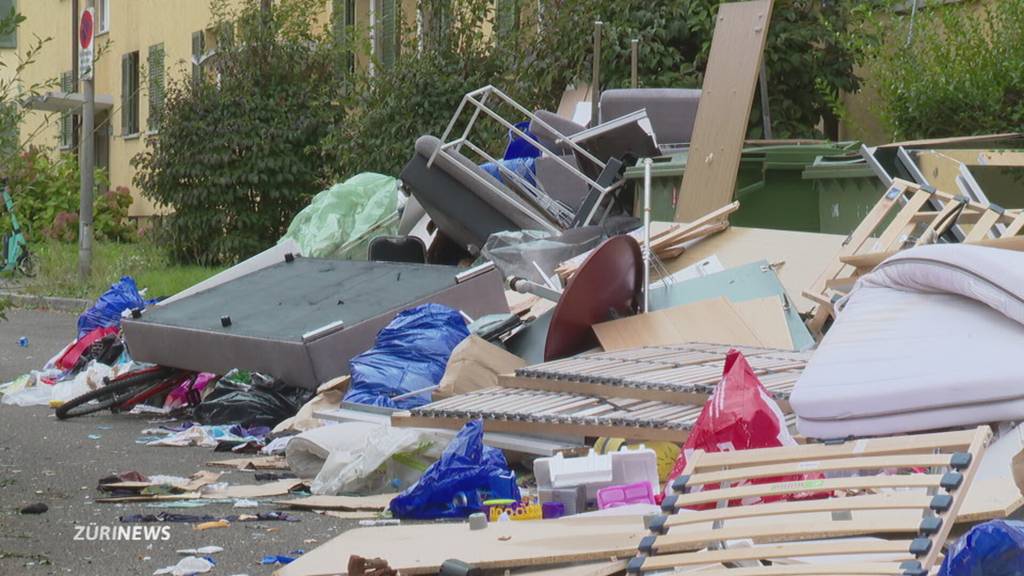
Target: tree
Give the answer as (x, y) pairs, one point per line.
(238, 152)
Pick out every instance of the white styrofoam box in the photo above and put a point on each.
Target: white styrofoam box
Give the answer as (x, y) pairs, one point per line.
(595, 471)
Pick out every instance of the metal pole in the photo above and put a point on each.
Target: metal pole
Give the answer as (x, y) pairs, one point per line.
(634, 49)
(595, 77)
(647, 234)
(87, 165)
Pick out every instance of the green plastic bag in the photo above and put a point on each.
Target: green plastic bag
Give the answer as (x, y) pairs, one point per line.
(340, 221)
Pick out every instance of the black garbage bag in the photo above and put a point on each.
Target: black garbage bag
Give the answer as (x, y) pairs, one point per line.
(250, 399)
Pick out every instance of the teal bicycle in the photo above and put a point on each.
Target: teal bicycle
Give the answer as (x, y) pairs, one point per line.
(14, 254)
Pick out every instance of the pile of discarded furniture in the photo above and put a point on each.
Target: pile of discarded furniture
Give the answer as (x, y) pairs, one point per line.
(744, 373)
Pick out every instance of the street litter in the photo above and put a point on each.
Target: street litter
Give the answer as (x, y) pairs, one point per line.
(188, 566)
(204, 551)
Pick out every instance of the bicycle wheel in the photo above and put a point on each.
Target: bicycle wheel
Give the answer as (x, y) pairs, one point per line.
(114, 392)
(27, 265)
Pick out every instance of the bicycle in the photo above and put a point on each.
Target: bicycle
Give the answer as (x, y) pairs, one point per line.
(123, 392)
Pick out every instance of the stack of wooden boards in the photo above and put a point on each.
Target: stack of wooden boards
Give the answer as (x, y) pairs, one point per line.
(873, 488)
(650, 393)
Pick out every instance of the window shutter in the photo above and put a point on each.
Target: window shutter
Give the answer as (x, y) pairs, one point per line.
(126, 94)
(8, 40)
(156, 86)
(198, 49)
(388, 32)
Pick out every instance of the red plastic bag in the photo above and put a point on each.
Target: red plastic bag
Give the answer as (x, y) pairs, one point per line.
(70, 357)
(739, 415)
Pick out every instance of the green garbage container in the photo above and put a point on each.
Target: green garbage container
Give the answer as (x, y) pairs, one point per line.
(771, 186)
(846, 189)
(667, 177)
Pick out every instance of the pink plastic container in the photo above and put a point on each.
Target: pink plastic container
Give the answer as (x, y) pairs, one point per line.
(625, 494)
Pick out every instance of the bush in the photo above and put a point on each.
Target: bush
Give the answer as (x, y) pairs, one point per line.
(812, 49)
(239, 152)
(46, 197)
(962, 73)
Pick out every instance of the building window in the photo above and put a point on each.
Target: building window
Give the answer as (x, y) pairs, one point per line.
(67, 119)
(130, 94)
(102, 16)
(156, 86)
(7, 8)
(344, 20)
(386, 34)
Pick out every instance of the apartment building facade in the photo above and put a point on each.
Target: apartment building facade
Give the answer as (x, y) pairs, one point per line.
(142, 46)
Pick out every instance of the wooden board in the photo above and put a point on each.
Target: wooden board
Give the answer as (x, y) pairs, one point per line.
(766, 317)
(727, 95)
(376, 502)
(253, 463)
(714, 321)
(275, 488)
(804, 254)
(422, 549)
(760, 322)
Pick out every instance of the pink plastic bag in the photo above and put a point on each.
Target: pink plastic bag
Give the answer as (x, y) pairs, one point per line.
(739, 415)
(179, 396)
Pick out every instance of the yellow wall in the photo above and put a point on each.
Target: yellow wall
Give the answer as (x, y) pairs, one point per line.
(135, 25)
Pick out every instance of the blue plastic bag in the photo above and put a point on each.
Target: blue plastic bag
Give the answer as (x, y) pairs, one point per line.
(410, 354)
(457, 484)
(524, 167)
(106, 311)
(995, 548)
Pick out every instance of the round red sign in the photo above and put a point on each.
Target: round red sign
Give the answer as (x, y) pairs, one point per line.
(85, 30)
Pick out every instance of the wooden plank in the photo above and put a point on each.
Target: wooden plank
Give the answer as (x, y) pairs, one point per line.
(375, 502)
(810, 486)
(889, 501)
(951, 441)
(1001, 158)
(421, 549)
(275, 488)
(789, 531)
(851, 569)
(253, 463)
(727, 95)
(828, 465)
(528, 427)
(981, 230)
(771, 551)
(714, 321)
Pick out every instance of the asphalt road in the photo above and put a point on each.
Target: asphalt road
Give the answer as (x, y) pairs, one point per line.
(57, 463)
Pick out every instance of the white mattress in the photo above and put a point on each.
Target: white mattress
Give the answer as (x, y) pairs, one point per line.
(930, 339)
